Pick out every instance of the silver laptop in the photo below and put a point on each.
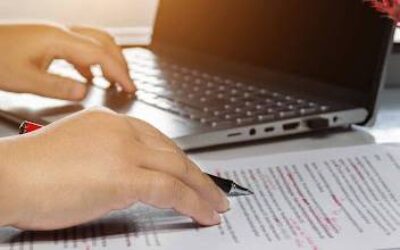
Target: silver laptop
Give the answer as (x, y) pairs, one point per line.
(228, 71)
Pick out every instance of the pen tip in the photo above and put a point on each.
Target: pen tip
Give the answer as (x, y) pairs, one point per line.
(240, 191)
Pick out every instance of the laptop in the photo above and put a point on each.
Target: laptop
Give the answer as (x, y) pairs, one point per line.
(229, 71)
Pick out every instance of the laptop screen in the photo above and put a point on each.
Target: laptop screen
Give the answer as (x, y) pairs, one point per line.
(340, 42)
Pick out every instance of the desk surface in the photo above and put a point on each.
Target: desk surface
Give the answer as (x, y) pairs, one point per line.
(386, 130)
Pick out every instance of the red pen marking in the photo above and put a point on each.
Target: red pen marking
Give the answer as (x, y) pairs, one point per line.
(303, 236)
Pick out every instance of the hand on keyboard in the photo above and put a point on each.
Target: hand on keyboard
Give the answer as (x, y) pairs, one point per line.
(28, 50)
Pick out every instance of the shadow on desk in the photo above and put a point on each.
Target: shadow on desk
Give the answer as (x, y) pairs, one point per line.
(147, 223)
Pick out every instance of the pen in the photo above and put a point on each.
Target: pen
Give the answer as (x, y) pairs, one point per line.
(228, 186)
(15, 119)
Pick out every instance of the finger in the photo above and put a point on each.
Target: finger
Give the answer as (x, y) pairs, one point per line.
(84, 53)
(163, 191)
(171, 159)
(156, 142)
(103, 38)
(147, 129)
(54, 86)
(85, 72)
(151, 136)
(180, 167)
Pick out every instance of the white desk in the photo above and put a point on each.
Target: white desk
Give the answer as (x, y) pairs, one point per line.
(387, 129)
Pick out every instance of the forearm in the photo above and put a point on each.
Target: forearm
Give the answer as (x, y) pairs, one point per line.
(8, 196)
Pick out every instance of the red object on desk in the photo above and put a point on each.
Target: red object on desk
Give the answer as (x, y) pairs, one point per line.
(27, 127)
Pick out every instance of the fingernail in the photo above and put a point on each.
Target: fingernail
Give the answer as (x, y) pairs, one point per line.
(131, 89)
(225, 202)
(216, 218)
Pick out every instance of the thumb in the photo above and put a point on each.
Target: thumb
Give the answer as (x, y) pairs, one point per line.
(50, 85)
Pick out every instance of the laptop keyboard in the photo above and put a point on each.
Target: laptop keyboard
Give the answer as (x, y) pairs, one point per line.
(208, 99)
(202, 97)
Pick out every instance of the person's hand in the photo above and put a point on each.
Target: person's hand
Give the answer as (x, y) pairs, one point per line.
(28, 50)
(86, 165)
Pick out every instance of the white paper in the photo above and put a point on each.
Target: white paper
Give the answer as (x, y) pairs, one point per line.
(334, 199)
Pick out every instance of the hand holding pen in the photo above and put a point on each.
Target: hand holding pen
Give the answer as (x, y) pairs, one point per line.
(96, 161)
(93, 162)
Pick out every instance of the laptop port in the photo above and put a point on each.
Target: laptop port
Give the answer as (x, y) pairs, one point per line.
(234, 134)
(291, 126)
(269, 129)
(318, 123)
(253, 131)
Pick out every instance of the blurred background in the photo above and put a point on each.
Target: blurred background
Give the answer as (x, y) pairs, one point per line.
(129, 20)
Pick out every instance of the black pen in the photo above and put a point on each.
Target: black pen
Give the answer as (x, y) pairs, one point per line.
(230, 187)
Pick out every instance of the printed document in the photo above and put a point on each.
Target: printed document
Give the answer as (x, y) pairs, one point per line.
(331, 199)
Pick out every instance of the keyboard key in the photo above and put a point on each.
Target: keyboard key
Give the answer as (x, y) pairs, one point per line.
(324, 108)
(251, 88)
(231, 117)
(308, 111)
(221, 124)
(210, 84)
(312, 104)
(209, 120)
(265, 118)
(287, 114)
(300, 101)
(228, 106)
(239, 84)
(220, 113)
(250, 113)
(246, 120)
(249, 104)
(222, 88)
(246, 94)
(211, 109)
(239, 110)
